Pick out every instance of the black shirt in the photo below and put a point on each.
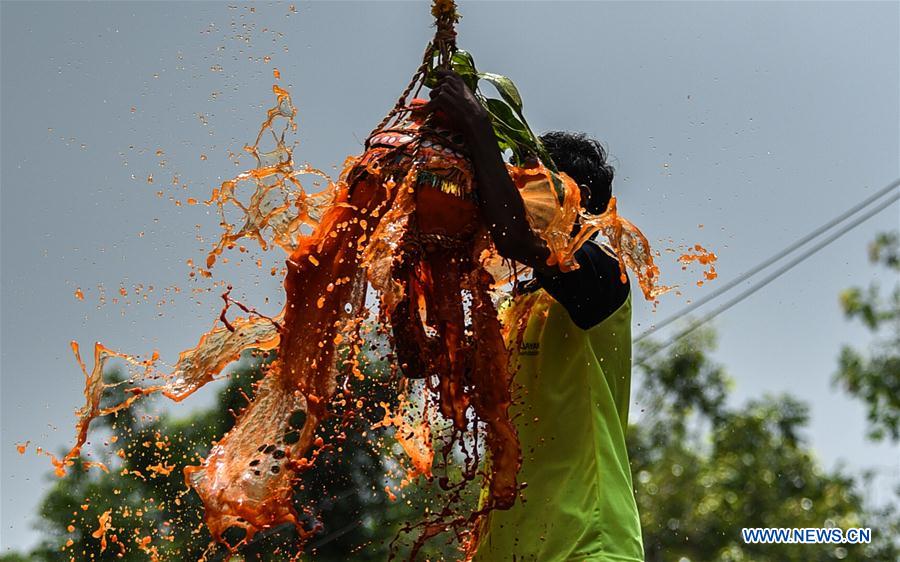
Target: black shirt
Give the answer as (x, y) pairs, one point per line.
(591, 293)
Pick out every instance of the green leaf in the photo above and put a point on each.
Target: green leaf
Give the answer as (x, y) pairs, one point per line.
(463, 64)
(463, 59)
(505, 143)
(523, 142)
(505, 88)
(503, 115)
(510, 128)
(430, 79)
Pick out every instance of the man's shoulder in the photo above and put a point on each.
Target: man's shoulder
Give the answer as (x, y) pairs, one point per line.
(592, 292)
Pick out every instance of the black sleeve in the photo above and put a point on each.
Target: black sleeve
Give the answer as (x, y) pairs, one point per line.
(592, 292)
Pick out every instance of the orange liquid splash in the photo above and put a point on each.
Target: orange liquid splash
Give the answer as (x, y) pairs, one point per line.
(401, 218)
(415, 439)
(704, 257)
(554, 222)
(104, 524)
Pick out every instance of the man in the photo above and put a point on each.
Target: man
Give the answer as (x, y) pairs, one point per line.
(573, 367)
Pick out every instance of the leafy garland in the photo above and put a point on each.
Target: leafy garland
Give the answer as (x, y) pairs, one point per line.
(509, 124)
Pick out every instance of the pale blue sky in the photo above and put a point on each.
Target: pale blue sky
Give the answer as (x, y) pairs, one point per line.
(759, 121)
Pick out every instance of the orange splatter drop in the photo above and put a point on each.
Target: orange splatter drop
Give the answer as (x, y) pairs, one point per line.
(104, 525)
(414, 439)
(704, 257)
(161, 469)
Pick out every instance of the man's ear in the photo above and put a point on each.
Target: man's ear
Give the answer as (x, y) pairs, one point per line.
(585, 195)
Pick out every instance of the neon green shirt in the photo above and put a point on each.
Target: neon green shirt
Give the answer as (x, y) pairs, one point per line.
(572, 391)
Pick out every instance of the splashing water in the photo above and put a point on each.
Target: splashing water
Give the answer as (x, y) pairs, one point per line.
(400, 218)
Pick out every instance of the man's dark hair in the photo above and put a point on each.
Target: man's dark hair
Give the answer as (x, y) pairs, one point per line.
(584, 160)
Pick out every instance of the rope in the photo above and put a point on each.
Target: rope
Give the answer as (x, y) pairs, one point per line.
(443, 45)
(445, 20)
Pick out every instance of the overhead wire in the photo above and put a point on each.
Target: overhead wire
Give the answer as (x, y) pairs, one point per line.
(774, 275)
(770, 261)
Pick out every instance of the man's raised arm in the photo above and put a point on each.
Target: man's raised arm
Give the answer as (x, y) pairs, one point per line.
(499, 200)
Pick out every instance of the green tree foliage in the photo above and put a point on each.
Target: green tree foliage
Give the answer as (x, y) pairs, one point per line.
(343, 492)
(874, 377)
(703, 470)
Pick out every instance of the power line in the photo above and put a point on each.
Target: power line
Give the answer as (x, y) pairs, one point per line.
(756, 269)
(776, 274)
